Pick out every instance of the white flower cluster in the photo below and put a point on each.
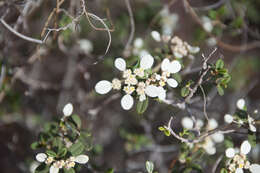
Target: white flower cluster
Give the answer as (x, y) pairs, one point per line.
(179, 47)
(209, 143)
(140, 81)
(168, 21)
(59, 164)
(241, 104)
(238, 161)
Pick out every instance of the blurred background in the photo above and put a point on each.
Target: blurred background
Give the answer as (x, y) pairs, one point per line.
(38, 80)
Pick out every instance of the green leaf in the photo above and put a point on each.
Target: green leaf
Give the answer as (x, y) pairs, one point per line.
(142, 106)
(71, 170)
(35, 145)
(213, 14)
(51, 153)
(149, 166)
(220, 90)
(42, 168)
(220, 64)
(223, 170)
(62, 152)
(77, 149)
(252, 139)
(161, 128)
(110, 170)
(167, 132)
(76, 119)
(185, 91)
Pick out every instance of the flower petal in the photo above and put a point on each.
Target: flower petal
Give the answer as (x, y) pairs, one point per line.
(175, 66)
(254, 168)
(41, 157)
(187, 123)
(239, 170)
(53, 169)
(156, 36)
(68, 109)
(165, 66)
(103, 87)
(82, 159)
(245, 147)
(127, 102)
(151, 91)
(230, 152)
(146, 61)
(120, 64)
(172, 83)
(212, 124)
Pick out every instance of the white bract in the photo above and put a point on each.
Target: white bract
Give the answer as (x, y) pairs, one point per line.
(86, 46)
(187, 123)
(68, 109)
(228, 118)
(241, 104)
(156, 36)
(207, 24)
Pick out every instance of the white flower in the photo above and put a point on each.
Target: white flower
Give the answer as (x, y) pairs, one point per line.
(138, 43)
(207, 24)
(41, 157)
(68, 109)
(127, 102)
(228, 118)
(230, 152)
(254, 168)
(140, 88)
(116, 84)
(129, 89)
(156, 36)
(239, 170)
(172, 67)
(241, 104)
(218, 137)
(187, 123)
(212, 124)
(209, 146)
(251, 123)
(146, 61)
(131, 80)
(245, 147)
(54, 169)
(139, 72)
(103, 87)
(85, 45)
(120, 64)
(127, 73)
(142, 97)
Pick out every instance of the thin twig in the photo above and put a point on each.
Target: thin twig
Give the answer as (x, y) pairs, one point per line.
(19, 34)
(205, 103)
(132, 23)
